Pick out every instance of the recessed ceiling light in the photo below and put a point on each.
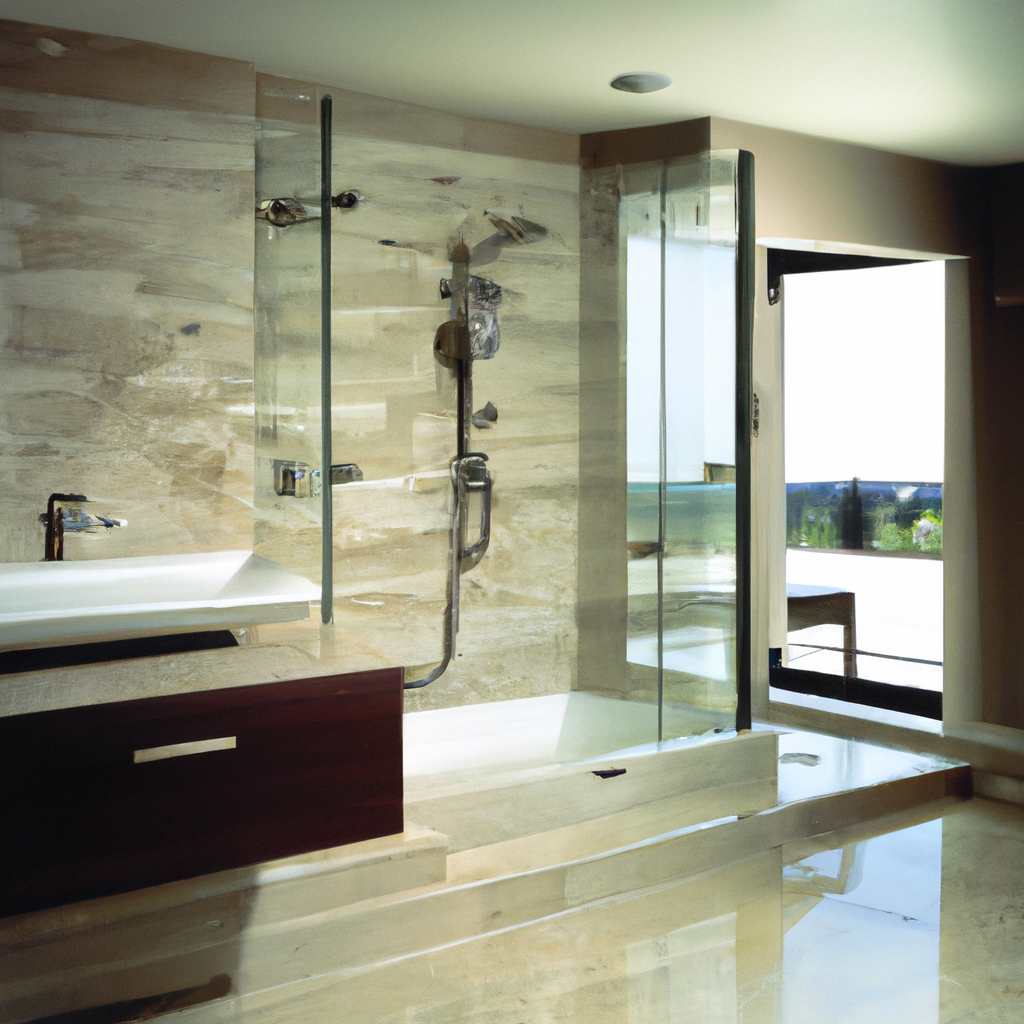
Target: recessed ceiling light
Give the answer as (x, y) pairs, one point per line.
(641, 81)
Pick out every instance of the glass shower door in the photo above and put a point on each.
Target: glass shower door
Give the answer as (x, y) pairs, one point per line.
(398, 276)
(391, 404)
(688, 386)
(288, 519)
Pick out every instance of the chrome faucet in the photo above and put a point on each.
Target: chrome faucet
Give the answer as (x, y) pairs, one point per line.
(58, 519)
(298, 480)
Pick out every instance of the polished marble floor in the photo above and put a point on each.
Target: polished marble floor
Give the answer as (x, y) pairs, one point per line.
(921, 925)
(813, 764)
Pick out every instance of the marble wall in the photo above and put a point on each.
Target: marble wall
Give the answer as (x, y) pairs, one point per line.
(136, 372)
(126, 267)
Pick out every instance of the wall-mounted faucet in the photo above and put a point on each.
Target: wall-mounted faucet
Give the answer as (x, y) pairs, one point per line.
(59, 520)
(295, 479)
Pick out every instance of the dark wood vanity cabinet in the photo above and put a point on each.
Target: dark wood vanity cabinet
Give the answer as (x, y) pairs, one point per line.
(113, 797)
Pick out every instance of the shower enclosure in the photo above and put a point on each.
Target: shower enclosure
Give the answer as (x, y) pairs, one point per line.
(433, 227)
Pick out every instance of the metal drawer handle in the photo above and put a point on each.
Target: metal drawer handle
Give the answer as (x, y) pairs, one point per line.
(183, 749)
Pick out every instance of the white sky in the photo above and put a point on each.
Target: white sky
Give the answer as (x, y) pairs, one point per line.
(864, 374)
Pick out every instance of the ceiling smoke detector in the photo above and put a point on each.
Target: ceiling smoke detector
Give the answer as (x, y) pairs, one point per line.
(641, 81)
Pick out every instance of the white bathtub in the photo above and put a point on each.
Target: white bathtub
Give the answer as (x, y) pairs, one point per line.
(46, 603)
(533, 731)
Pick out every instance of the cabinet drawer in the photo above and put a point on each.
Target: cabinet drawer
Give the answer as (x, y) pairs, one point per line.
(105, 799)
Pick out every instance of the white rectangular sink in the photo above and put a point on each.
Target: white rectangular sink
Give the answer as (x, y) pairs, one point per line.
(45, 603)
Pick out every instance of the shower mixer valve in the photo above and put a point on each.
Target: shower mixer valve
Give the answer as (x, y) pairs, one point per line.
(297, 480)
(285, 210)
(473, 478)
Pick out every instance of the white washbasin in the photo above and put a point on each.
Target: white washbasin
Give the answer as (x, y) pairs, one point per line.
(43, 603)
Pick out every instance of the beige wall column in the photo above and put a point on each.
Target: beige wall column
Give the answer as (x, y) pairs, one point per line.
(961, 656)
(601, 567)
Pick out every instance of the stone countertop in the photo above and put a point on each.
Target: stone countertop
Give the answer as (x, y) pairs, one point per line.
(280, 652)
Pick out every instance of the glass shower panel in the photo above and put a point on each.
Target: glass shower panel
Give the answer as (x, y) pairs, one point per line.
(287, 319)
(679, 222)
(393, 403)
(640, 216)
(394, 408)
(699, 560)
(412, 201)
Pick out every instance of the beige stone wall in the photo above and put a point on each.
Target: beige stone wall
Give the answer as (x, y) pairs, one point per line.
(125, 292)
(827, 191)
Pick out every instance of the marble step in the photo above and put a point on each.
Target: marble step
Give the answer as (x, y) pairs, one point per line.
(698, 943)
(705, 778)
(706, 946)
(178, 935)
(169, 938)
(175, 933)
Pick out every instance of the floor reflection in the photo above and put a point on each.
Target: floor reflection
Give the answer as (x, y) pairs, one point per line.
(920, 925)
(699, 951)
(813, 764)
(862, 931)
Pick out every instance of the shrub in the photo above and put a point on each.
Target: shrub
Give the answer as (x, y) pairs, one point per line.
(892, 538)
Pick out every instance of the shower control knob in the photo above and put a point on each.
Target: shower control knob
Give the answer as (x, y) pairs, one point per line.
(444, 289)
(346, 200)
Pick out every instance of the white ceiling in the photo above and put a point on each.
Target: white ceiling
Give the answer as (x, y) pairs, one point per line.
(936, 78)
